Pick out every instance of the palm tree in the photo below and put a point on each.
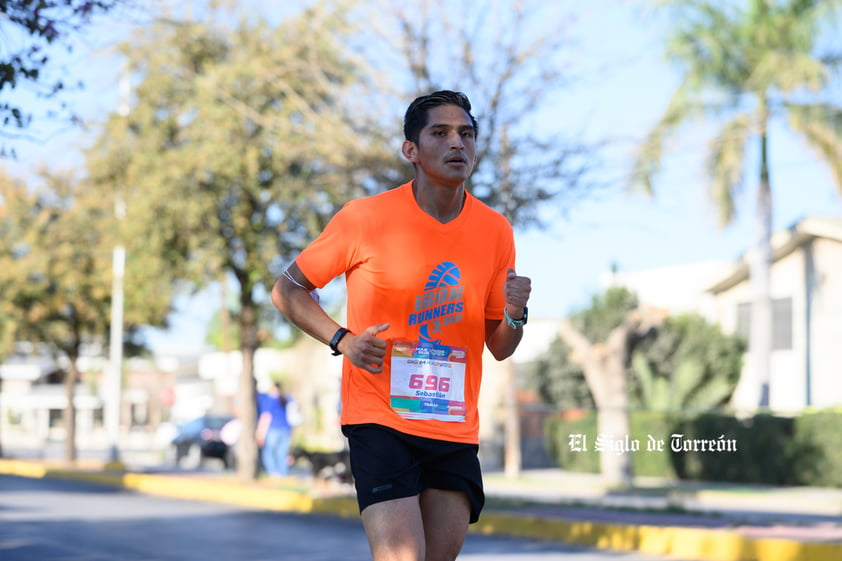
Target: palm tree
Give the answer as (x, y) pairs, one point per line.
(746, 66)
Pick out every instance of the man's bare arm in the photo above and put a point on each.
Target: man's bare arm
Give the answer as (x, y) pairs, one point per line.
(291, 295)
(500, 338)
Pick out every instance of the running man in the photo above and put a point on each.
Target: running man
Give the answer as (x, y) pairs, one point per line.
(430, 279)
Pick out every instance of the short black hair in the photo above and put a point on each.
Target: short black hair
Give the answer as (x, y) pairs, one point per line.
(417, 113)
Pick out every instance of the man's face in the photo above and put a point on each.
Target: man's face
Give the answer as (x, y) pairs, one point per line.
(446, 149)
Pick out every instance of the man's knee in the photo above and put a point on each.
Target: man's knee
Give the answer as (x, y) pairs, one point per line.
(446, 516)
(394, 529)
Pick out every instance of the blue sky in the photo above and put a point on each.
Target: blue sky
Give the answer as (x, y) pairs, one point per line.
(679, 225)
(567, 260)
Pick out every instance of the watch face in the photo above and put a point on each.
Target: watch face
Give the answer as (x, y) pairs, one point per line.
(340, 333)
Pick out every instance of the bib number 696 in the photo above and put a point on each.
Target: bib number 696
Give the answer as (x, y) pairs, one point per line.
(429, 382)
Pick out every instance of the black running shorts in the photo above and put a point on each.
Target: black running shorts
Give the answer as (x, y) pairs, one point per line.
(388, 464)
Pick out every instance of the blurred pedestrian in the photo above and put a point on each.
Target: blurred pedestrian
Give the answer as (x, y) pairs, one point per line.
(274, 430)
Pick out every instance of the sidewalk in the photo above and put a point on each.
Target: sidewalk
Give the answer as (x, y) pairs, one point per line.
(691, 520)
(686, 520)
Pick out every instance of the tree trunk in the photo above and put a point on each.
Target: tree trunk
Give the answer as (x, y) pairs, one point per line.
(224, 318)
(613, 425)
(604, 370)
(760, 268)
(247, 452)
(613, 415)
(604, 367)
(70, 412)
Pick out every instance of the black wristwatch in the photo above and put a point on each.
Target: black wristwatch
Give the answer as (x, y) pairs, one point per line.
(515, 323)
(340, 333)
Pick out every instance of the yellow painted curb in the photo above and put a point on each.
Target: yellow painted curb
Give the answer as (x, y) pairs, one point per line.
(689, 543)
(22, 469)
(219, 491)
(704, 544)
(345, 507)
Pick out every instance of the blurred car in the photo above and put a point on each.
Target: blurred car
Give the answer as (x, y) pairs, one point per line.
(200, 439)
(230, 434)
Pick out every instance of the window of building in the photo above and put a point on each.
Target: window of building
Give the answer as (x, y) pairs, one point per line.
(781, 323)
(744, 320)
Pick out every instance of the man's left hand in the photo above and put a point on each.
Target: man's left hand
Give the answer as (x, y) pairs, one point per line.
(517, 290)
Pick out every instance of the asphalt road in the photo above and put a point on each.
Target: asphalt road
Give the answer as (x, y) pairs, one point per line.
(54, 520)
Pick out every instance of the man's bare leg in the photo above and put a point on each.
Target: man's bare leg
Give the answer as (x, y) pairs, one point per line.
(431, 527)
(446, 515)
(395, 530)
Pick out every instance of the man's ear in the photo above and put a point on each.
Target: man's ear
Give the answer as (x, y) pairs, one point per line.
(409, 150)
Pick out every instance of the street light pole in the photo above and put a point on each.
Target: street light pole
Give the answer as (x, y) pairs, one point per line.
(113, 402)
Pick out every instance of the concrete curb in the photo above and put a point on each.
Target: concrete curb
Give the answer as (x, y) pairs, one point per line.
(687, 543)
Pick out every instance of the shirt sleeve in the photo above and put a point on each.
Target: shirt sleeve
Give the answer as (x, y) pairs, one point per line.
(334, 251)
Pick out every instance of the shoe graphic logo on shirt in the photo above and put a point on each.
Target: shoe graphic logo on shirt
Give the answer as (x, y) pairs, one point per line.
(445, 274)
(441, 303)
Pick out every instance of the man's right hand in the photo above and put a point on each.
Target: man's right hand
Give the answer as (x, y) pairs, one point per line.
(366, 350)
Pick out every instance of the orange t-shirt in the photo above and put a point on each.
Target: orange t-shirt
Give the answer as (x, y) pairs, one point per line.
(433, 283)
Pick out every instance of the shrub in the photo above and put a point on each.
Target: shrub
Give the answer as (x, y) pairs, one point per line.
(767, 449)
(558, 430)
(760, 454)
(643, 423)
(816, 449)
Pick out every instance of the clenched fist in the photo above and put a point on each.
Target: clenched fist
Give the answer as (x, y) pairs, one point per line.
(516, 291)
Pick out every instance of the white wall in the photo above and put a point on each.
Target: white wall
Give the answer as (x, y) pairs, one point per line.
(789, 373)
(826, 373)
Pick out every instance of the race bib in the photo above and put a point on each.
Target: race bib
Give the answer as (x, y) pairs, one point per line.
(428, 381)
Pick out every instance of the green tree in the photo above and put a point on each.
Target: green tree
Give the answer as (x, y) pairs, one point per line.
(602, 339)
(632, 357)
(687, 364)
(244, 140)
(512, 58)
(9, 230)
(558, 375)
(559, 381)
(746, 66)
(59, 300)
(56, 243)
(30, 29)
(690, 365)
(223, 331)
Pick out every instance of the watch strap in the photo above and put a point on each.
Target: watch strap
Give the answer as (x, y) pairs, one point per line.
(515, 323)
(334, 341)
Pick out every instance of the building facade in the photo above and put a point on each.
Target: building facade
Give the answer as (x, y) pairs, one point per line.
(806, 293)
